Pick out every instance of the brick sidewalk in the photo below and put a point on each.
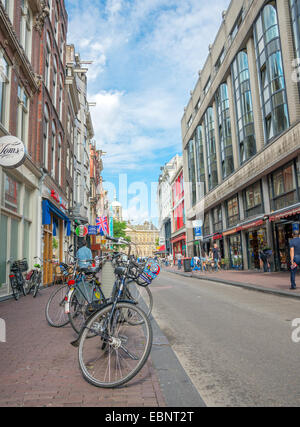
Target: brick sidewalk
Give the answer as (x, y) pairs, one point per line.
(278, 282)
(39, 367)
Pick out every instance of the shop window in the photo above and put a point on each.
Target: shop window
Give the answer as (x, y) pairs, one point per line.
(199, 148)
(23, 115)
(209, 125)
(232, 211)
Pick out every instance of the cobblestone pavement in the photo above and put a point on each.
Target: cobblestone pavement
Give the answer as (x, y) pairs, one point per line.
(39, 367)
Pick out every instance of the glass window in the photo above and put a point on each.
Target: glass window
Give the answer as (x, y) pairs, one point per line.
(11, 194)
(253, 200)
(222, 102)
(244, 107)
(23, 114)
(3, 247)
(26, 27)
(232, 211)
(271, 76)
(217, 219)
(209, 125)
(199, 146)
(192, 173)
(4, 82)
(14, 241)
(283, 187)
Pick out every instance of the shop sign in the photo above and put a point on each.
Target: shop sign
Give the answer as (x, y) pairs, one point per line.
(81, 231)
(92, 230)
(252, 225)
(284, 214)
(58, 199)
(228, 233)
(198, 233)
(218, 236)
(12, 152)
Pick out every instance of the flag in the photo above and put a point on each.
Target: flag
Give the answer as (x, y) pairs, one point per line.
(102, 224)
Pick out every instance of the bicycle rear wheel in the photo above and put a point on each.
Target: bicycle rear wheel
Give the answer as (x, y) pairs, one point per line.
(119, 350)
(37, 283)
(55, 308)
(14, 287)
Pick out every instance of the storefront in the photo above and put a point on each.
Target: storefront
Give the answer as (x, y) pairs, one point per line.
(234, 243)
(56, 230)
(256, 241)
(179, 245)
(283, 225)
(218, 239)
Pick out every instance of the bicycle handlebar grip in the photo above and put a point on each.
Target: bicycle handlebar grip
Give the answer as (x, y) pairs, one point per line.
(112, 239)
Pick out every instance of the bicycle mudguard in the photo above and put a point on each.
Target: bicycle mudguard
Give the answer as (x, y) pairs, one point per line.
(76, 342)
(68, 300)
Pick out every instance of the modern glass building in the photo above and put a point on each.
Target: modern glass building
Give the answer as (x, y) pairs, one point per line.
(245, 128)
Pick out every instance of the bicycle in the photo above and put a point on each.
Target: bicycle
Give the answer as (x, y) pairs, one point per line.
(115, 342)
(34, 278)
(17, 281)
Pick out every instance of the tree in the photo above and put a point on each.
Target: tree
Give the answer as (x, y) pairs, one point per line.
(119, 230)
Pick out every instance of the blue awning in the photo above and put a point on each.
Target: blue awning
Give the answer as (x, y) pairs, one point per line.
(48, 207)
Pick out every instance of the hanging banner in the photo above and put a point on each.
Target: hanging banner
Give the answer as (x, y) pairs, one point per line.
(81, 231)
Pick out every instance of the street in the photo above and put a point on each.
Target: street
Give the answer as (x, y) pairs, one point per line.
(235, 344)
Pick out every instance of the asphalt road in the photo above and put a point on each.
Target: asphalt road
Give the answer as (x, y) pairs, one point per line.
(236, 345)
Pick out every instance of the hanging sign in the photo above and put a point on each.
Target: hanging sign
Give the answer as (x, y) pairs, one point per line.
(198, 233)
(81, 231)
(12, 152)
(92, 230)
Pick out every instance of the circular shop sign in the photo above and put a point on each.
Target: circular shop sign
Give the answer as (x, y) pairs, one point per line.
(81, 231)
(12, 152)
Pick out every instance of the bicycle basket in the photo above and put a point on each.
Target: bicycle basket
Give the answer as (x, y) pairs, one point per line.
(150, 272)
(21, 266)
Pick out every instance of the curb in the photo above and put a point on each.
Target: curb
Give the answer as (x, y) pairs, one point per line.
(248, 286)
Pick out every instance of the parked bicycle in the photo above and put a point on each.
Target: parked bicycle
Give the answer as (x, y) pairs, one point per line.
(115, 342)
(34, 278)
(16, 277)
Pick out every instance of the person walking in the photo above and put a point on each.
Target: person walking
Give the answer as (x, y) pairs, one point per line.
(179, 257)
(295, 257)
(216, 256)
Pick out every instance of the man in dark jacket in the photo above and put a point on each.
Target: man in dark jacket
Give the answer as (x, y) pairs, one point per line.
(295, 257)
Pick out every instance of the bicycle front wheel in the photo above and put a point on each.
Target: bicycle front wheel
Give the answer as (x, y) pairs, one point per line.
(118, 350)
(55, 308)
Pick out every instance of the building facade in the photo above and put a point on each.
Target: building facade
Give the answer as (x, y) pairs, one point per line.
(164, 202)
(178, 222)
(20, 81)
(144, 238)
(241, 130)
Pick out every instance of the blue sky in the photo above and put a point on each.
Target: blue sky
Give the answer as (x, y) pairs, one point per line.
(146, 56)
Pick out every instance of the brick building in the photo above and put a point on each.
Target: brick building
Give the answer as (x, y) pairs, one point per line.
(20, 83)
(241, 135)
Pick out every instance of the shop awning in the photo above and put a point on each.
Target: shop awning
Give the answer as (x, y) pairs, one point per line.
(232, 231)
(177, 239)
(284, 214)
(251, 224)
(49, 207)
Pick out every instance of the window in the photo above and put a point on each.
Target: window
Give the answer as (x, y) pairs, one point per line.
(217, 219)
(232, 211)
(295, 14)
(26, 27)
(23, 110)
(271, 75)
(209, 126)
(220, 60)
(4, 85)
(222, 102)
(207, 86)
(199, 148)
(192, 173)
(60, 99)
(47, 61)
(56, 22)
(206, 225)
(283, 187)
(244, 108)
(53, 149)
(59, 160)
(253, 200)
(11, 194)
(54, 82)
(237, 25)
(46, 136)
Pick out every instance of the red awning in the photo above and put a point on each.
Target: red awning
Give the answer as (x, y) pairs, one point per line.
(162, 248)
(252, 224)
(284, 214)
(178, 238)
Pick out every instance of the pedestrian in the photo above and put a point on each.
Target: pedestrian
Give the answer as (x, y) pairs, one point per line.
(264, 259)
(84, 254)
(295, 257)
(216, 256)
(196, 260)
(179, 257)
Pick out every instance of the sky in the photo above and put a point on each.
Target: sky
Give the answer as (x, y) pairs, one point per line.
(146, 56)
